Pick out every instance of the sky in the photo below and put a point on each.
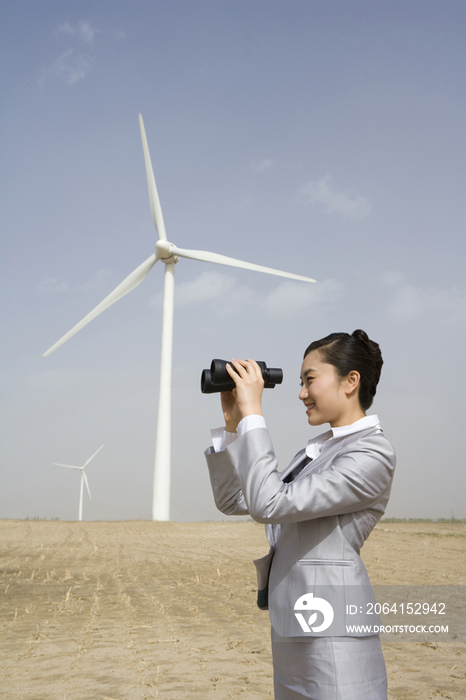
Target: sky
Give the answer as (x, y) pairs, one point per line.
(321, 137)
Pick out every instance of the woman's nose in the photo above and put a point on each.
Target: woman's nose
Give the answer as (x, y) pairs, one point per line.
(302, 394)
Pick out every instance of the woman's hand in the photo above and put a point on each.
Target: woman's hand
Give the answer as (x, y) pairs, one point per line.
(246, 398)
(231, 413)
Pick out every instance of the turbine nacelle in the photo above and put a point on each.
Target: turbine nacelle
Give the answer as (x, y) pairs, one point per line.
(165, 251)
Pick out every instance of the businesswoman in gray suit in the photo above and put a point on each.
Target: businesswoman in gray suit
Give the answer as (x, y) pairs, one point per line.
(318, 513)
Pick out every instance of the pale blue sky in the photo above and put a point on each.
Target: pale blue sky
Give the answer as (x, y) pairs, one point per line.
(322, 137)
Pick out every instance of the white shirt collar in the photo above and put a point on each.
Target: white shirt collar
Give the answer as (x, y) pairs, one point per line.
(314, 446)
(361, 424)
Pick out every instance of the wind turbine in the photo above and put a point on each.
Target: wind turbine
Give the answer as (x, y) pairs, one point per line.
(83, 480)
(169, 254)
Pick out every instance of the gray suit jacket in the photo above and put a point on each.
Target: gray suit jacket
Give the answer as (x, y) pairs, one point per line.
(316, 524)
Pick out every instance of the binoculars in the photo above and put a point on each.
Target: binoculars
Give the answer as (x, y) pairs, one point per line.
(217, 379)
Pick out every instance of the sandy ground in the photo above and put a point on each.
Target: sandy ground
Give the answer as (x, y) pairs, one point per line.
(134, 610)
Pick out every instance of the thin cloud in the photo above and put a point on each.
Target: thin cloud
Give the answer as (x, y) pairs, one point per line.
(206, 287)
(82, 31)
(69, 67)
(392, 277)
(408, 302)
(51, 285)
(228, 299)
(294, 298)
(260, 166)
(100, 280)
(239, 302)
(321, 191)
(73, 64)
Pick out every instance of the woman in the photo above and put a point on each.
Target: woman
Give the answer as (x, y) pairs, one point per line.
(318, 513)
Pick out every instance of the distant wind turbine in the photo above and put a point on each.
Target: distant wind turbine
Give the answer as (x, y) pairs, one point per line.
(169, 254)
(83, 481)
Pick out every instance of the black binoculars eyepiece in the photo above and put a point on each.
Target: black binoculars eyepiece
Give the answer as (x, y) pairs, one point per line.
(217, 379)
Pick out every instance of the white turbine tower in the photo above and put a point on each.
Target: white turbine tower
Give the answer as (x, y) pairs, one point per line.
(83, 480)
(169, 254)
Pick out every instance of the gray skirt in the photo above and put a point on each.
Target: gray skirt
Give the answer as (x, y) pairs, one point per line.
(329, 668)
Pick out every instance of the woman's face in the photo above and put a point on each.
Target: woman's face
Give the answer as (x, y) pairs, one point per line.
(327, 397)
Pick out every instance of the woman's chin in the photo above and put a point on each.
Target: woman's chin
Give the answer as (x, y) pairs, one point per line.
(315, 420)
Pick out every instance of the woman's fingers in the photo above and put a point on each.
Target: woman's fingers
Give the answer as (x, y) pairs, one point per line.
(257, 369)
(249, 385)
(246, 369)
(234, 375)
(237, 370)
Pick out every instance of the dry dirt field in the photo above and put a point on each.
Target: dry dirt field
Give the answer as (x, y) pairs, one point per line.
(134, 610)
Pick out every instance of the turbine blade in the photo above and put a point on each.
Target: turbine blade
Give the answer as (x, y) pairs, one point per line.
(87, 483)
(68, 466)
(205, 256)
(85, 465)
(126, 286)
(155, 207)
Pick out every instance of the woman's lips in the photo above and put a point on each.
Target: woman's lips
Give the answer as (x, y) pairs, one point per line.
(309, 407)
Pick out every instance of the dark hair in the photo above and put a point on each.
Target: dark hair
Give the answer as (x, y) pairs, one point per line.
(353, 352)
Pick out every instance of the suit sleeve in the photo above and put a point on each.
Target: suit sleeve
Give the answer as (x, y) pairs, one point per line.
(359, 478)
(226, 487)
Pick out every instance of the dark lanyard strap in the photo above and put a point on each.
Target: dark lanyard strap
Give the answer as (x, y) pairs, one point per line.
(293, 474)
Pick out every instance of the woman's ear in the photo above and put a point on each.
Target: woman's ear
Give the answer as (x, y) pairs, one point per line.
(351, 382)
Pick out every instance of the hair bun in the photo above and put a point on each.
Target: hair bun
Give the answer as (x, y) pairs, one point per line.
(373, 349)
(371, 345)
(361, 336)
